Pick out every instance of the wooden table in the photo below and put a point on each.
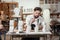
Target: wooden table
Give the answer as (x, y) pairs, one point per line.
(31, 34)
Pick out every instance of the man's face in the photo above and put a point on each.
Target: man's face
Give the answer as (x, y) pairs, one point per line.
(37, 14)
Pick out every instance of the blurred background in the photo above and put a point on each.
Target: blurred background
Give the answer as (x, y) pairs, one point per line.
(25, 7)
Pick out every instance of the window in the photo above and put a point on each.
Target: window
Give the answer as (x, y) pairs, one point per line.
(41, 1)
(53, 4)
(51, 1)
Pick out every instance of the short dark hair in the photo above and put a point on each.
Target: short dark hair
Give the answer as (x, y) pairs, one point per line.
(37, 8)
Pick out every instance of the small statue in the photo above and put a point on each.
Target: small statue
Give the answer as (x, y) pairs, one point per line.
(16, 11)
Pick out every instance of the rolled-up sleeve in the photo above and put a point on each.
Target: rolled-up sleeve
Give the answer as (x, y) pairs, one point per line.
(42, 22)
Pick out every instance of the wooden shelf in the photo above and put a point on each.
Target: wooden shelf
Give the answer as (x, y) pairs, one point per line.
(6, 7)
(55, 14)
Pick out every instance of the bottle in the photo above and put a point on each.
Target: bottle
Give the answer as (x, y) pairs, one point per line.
(36, 29)
(37, 26)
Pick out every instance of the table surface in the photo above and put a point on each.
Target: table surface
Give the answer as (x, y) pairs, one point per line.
(30, 33)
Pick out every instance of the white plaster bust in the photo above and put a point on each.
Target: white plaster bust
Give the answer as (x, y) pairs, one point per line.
(16, 11)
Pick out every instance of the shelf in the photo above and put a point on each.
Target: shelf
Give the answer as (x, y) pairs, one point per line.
(6, 7)
(57, 15)
(16, 16)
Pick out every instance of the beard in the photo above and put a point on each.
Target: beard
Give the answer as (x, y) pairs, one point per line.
(36, 16)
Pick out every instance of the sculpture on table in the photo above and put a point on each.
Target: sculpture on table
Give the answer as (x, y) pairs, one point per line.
(46, 16)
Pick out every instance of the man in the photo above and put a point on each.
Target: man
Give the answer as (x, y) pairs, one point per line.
(33, 21)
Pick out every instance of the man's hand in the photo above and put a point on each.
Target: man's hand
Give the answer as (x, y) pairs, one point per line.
(33, 20)
(40, 27)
